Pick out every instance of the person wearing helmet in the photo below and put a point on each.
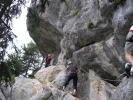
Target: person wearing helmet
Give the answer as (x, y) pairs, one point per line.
(129, 52)
(72, 72)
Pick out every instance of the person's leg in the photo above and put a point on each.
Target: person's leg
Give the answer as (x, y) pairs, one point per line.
(68, 78)
(128, 68)
(75, 80)
(46, 65)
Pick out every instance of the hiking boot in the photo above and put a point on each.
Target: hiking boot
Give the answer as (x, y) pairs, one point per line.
(74, 92)
(128, 68)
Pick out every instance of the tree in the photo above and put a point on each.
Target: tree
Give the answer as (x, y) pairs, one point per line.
(31, 59)
(8, 10)
(25, 60)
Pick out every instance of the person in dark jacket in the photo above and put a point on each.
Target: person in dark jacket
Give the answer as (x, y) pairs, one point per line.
(129, 52)
(72, 72)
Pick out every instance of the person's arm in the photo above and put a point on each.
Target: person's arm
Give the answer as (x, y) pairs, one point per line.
(129, 40)
(78, 71)
(129, 57)
(129, 37)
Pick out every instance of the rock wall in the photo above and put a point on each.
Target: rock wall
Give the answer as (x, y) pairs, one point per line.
(91, 33)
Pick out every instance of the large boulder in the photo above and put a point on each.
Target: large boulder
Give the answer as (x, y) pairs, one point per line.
(25, 89)
(49, 74)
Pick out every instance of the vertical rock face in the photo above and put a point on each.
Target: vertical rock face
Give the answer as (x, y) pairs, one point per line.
(124, 90)
(90, 32)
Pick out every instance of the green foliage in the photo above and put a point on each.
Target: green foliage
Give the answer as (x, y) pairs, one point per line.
(15, 63)
(8, 10)
(75, 12)
(31, 58)
(90, 24)
(5, 74)
(118, 2)
(20, 62)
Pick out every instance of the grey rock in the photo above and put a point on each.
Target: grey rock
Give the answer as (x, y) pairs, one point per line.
(90, 32)
(43, 94)
(29, 89)
(124, 90)
(49, 74)
(5, 91)
(92, 87)
(74, 33)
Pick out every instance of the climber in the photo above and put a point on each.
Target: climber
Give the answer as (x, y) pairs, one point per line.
(72, 72)
(129, 52)
(48, 60)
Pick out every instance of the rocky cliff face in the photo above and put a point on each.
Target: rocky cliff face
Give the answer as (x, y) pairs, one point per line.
(91, 33)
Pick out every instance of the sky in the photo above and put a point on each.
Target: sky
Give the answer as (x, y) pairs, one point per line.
(20, 28)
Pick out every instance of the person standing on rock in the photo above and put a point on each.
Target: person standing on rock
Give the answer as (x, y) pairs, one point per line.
(49, 58)
(129, 52)
(72, 72)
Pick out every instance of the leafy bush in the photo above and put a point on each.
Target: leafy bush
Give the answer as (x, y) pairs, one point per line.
(118, 2)
(90, 24)
(75, 12)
